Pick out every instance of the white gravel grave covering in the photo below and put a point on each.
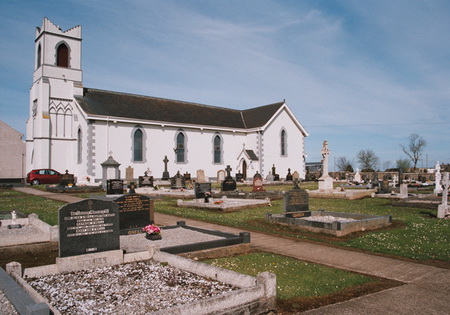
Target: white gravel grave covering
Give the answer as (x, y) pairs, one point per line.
(327, 219)
(134, 288)
(170, 237)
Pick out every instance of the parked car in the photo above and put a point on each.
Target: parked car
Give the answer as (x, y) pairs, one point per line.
(43, 176)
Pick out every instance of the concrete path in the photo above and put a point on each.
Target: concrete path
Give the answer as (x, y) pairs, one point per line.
(426, 289)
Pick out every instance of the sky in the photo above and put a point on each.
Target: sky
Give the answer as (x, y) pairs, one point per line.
(363, 75)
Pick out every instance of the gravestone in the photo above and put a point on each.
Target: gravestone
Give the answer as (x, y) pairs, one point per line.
(437, 181)
(257, 182)
(135, 212)
(443, 208)
(88, 226)
(289, 177)
(67, 179)
(403, 191)
(239, 177)
(295, 176)
(178, 181)
(296, 199)
(229, 184)
(110, 170)
(357, 178)
(375, 182)
(165, 175)
(145, 181)
(201, 189)
(129, 174)
(276, 177)
(270, 177)
(220, 176)
(384, 186)
(201, 176)
(187, 177)
(114, 187)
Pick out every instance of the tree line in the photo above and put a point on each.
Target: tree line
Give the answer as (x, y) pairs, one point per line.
(368, 160)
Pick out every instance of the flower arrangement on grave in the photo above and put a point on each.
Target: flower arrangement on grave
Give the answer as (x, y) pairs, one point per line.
(152, 229)
(88, 179)
(152, 232)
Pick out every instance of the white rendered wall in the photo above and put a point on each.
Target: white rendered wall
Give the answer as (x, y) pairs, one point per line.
(293, 158)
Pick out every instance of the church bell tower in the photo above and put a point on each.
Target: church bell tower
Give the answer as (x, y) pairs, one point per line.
(57, 78)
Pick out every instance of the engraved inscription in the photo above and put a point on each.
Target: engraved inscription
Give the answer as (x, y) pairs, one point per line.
(89, 222)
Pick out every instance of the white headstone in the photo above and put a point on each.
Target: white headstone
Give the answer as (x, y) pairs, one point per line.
(403, 190)
(325, 181)
(201, 176)
(437, 177)
(443, 208)
(357, 178)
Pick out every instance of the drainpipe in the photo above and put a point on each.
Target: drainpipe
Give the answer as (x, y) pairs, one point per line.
(260, 152)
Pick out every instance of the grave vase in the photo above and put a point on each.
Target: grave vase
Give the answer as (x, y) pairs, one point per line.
(153, 237)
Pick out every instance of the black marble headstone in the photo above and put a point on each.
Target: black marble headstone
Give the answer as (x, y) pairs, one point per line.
(88, 226)
(296, 199)
(201, 189)
(114, 187)
(67, 179)
(289, 176)
(135, 212)
(240, 177)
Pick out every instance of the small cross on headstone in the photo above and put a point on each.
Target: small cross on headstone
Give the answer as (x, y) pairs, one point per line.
(228, 169)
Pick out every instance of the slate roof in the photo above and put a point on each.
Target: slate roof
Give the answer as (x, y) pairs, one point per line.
(116, 104)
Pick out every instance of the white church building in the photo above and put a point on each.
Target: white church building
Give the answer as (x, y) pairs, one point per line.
(75, 128)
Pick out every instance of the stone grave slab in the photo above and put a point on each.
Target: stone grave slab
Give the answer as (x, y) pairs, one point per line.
(135, 212)
(88, 226)
(129, 174)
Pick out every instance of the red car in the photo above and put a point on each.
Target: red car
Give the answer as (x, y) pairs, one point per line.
(43, 176)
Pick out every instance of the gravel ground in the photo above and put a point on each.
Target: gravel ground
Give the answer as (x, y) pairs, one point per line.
(135, 288)
(5, 305)
(327, 219)
(170, 237)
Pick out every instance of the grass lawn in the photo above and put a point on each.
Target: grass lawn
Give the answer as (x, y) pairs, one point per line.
(46, 209)
(415, 233)
(294, 278)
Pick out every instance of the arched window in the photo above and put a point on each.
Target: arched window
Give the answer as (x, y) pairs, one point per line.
(62, 56)
(217, 150)
(181, 147)
(138, 146)
(79, 146)
(283, 142)
(39, 53)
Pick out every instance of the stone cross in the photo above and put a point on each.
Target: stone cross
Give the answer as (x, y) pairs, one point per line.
(165, 163)
(228, 169)
(325, 153)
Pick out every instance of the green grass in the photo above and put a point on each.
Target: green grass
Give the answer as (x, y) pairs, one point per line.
(294, 278)
(417, 236)
(46, 209)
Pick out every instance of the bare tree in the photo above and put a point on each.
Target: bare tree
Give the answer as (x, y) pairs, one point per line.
(386, 165)
(415, 147)
(403, 164)
(367, 159)
(344, 165)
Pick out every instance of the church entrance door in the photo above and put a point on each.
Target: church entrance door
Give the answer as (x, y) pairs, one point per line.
(244, 169)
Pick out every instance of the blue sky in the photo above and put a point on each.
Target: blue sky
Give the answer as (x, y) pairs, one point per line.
(360, 74)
